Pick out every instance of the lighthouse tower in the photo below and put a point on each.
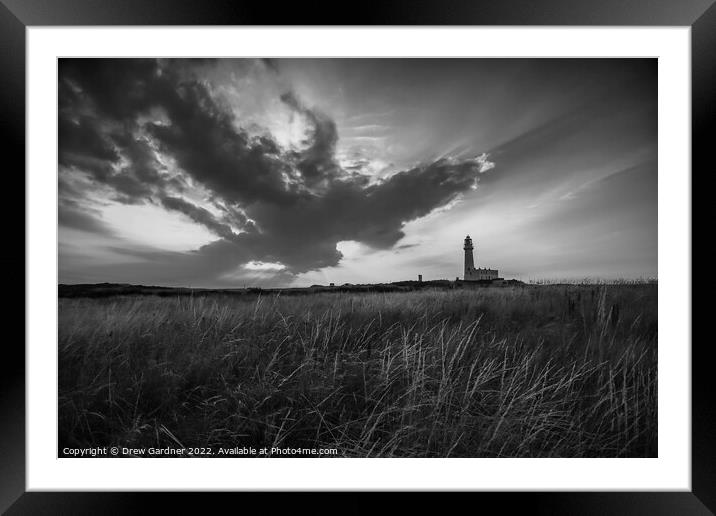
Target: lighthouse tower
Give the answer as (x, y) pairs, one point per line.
(469, 263)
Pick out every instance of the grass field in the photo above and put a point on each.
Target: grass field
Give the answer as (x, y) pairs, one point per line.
(533, 371)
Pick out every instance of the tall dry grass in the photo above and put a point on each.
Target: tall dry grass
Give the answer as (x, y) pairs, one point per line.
(540, 371)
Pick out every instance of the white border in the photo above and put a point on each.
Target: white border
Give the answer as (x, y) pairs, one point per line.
(670, 471)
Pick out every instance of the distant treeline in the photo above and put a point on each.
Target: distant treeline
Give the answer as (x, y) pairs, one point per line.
(119, 289)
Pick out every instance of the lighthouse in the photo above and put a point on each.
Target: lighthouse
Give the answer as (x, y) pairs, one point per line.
(471, 273)
(469, 263)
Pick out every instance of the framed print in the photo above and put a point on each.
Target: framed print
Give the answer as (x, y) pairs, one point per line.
(414, 250)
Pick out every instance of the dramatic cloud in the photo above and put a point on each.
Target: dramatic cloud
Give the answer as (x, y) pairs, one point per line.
(199, 215)
(153, 132)
(232, 172)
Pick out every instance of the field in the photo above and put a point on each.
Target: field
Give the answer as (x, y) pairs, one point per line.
(531, 371)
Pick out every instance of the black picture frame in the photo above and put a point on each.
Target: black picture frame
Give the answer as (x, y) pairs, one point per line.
(17, 15)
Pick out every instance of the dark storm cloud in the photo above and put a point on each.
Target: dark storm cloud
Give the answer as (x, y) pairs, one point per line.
(82, 136)
(98, 133)
(201, 137)
(119, 117)
(317, 162)
(199, 215)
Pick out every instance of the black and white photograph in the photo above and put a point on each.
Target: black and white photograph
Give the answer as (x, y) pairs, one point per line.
(357, 257)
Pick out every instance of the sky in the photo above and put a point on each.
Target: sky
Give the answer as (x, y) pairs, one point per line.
(292, 172)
